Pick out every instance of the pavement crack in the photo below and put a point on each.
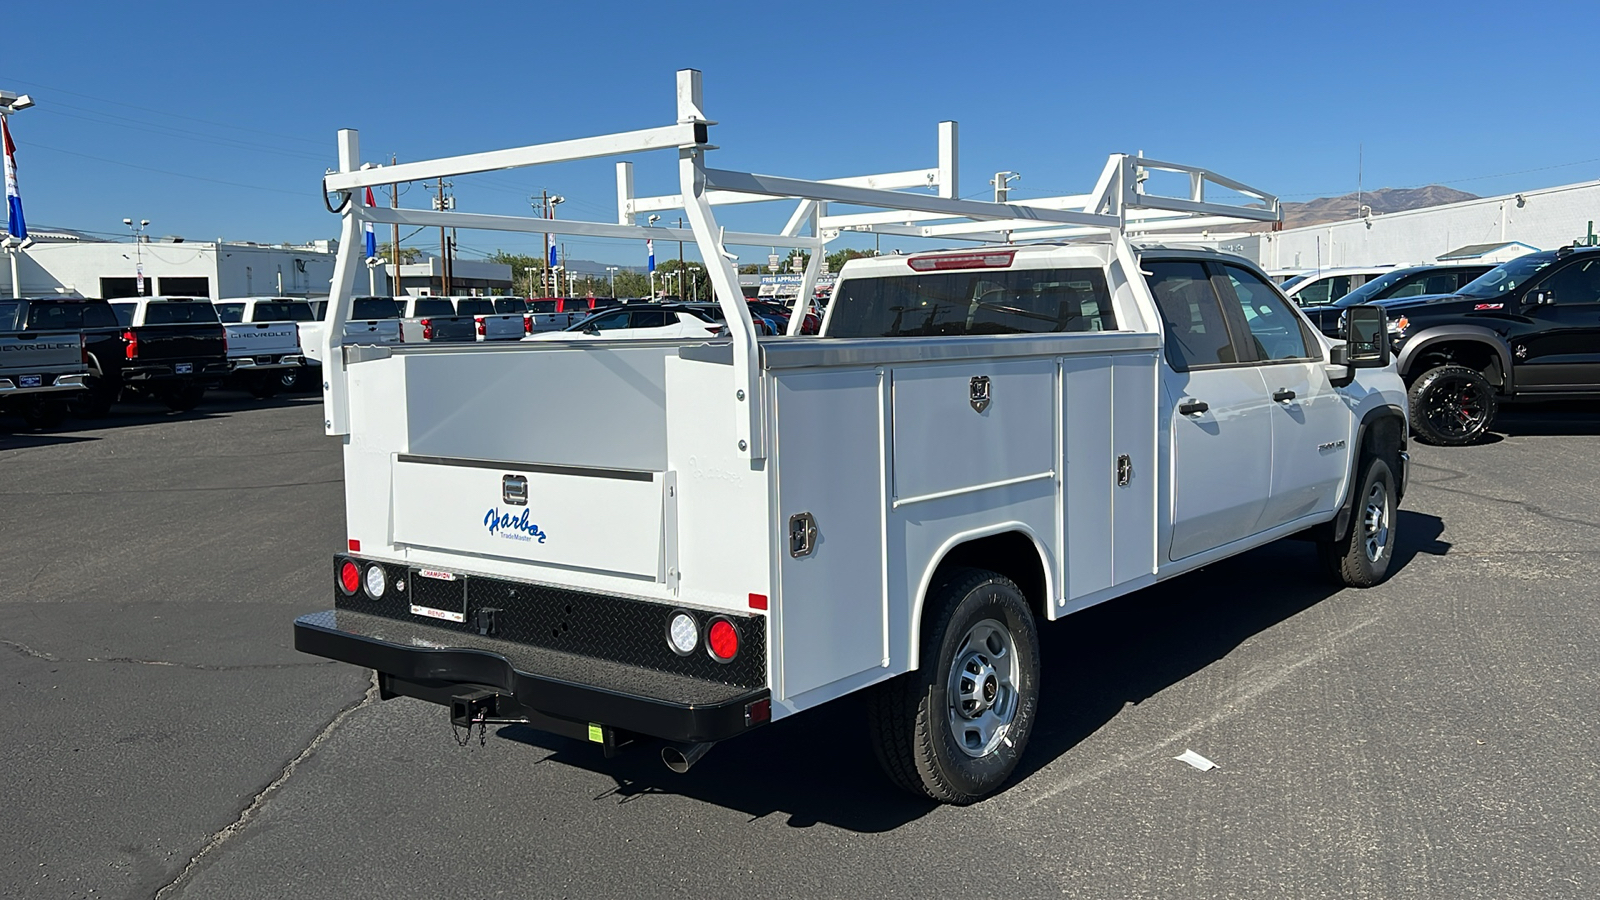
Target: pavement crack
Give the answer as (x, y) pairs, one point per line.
(26, 650)
(249, 813)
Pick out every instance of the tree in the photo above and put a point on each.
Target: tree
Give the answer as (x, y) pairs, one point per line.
(407, 254)
(838, 258)
(520, 263)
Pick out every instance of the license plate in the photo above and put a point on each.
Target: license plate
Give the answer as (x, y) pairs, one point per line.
(184, 368)
(30, 381)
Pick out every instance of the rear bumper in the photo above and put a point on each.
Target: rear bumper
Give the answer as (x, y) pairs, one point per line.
(266, 361)
(166, 371)
(13, 387)
(564, 692)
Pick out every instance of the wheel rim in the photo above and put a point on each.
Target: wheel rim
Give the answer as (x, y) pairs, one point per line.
(1375, 523)
(982, 689)
(1456, 405)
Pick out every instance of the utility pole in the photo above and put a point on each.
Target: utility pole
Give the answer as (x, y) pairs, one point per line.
(680, 248)
(444, 202)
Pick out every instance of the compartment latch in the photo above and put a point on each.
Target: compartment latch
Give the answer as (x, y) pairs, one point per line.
(802, 534)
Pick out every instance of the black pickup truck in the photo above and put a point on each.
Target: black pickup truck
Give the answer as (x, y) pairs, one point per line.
(1529, 328)
(1393, 286)
(171, 349)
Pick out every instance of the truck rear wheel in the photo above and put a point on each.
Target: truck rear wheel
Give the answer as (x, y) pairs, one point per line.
(955, 729)
(183, 397)
(1451, 405)
(1361, 558)
(45, 414)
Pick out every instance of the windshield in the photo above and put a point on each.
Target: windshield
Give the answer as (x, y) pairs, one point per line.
(1371, 288)
(1506, 277)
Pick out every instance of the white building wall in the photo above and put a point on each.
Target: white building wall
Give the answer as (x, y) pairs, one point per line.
(1544, 219)
(231, 269)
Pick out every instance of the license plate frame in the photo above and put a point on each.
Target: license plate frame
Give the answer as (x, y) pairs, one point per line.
(438, 595)
(30, 381)
(183, 368)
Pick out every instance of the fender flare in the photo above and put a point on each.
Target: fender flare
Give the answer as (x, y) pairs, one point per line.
(1340, 526)
(1439, 334)
(925, 583)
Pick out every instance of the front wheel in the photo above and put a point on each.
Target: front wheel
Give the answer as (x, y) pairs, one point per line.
(1362, 557)
(955, 729)
(1451, 405)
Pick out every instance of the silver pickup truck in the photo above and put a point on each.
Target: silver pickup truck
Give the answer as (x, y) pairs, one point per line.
(39, 370)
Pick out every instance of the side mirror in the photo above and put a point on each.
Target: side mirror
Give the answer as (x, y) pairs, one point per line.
(1542, 298)
(1366, 337)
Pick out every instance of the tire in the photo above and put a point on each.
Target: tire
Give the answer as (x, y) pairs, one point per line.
(984, 644)
(182, 398)
(263, 386)
(45, 414)
(95, 401)
(1451, 406)
(1362, 557)
(289, 379)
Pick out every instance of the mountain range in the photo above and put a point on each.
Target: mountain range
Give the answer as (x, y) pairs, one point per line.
(1383, 200)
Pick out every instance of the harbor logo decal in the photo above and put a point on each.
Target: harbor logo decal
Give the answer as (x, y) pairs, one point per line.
(513, 527)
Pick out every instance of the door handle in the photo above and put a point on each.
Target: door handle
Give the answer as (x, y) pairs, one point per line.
(1192, 407)
(1282, 395)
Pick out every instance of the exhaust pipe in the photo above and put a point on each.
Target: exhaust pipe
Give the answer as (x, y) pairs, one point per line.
(680, 757)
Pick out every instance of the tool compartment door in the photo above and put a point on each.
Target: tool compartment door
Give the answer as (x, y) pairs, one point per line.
(830, 454)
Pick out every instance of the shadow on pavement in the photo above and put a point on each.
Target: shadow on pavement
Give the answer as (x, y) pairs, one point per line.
(143, 411)
(818, 766)
(1549, 418)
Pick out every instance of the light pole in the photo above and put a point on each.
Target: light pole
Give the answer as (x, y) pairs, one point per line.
(612, 271)
(653, 220)
(138, 251)
(16, 238)
(530, 270)
(550, 207)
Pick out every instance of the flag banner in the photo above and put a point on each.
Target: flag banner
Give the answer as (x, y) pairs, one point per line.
(16, 226)
(650, 249)
(552, 254)
(372, 239)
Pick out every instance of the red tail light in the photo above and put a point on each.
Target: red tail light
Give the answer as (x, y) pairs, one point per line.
(131, 351)
(349, 577)
(427, 329)
(999, 259)
(722, 640)
(481, 330)
(527, 324)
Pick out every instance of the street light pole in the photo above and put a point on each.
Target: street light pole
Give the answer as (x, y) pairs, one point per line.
(138, 252)
(14, 242)
(612, 271)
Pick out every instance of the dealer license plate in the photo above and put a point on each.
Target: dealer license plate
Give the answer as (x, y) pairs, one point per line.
(184, 368)
(30, 381)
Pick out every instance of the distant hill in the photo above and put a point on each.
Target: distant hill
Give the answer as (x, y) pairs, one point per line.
(1384, 200)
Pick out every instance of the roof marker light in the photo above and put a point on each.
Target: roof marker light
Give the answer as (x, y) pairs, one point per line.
(758, 601)
(996, 259)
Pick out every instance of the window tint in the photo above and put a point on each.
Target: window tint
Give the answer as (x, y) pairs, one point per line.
(1018, 301)
(608, 322)
(98, 315)
(1197, 333)
(11, 316)
(374, 308)
(509, 305)
(1576, 283)
(427, 306)
(230, 312)
(1273, 325)
(1440, 283)
(648, 318)
(542, 306)
(475, 307)
(52, 317)
(279, 311)
(124, 313)
(179, 313)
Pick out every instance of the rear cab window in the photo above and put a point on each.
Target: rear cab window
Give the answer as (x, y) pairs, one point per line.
(279, 311)
(11, 313)
(230, 313)
(180, 312)
(374, 308)
(433, 307)
(54, 316)
(124, 313)
(484, 307)
(979, 302)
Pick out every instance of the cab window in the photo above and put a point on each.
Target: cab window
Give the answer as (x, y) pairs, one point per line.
(230, 312)
(1274, 327)
(1197, 331)
(1575, 284)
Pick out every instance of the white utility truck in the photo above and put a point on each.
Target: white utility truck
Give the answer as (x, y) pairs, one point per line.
(724, 532)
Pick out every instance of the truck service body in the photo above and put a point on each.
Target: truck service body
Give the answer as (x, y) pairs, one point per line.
(726, 532)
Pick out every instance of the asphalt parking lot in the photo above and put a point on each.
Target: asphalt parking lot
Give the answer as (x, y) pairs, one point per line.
(1433, 737)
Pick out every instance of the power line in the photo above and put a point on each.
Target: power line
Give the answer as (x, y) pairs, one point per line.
(115, 162)
(186, 135)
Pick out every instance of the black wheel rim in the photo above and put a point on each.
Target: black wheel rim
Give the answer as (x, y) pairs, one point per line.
(1456, 405)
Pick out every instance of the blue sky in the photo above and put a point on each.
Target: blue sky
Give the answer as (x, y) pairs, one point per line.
(244, 99)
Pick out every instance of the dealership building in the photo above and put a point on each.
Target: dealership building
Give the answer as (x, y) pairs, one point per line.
(1489, 228)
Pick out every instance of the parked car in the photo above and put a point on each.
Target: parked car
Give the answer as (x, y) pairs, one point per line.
(173, 349)
(1412, 281)
(42, 363)
(264, 348)
(1529, 328)
(644, 320)
(1328, 285)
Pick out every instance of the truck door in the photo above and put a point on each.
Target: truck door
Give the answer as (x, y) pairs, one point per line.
(1310, 425)
(1220, 424)
(1563, 352)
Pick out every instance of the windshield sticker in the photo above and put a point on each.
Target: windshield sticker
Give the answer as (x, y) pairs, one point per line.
(516, 528)
(1483, 306)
